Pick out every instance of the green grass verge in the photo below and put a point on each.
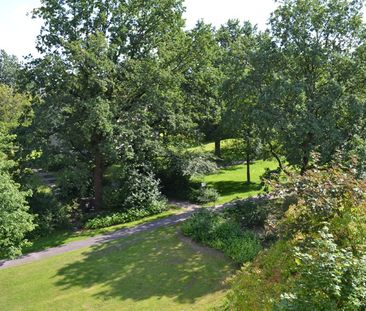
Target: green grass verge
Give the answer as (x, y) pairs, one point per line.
(231, 182)
(66, 236)
(149, 271)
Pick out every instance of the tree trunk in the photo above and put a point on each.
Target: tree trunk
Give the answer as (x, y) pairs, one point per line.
(275, 155)
(304, 166)
(98, 180)
(248, 166)
(218, 147)
(248, 153)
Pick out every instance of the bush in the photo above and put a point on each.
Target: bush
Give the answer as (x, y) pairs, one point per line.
(132, 189)
(204, 194)
(249, 214)
(15, 221)
(178, 169)
(49, 213)
(213, 230)
(329, 278)
(113, 219)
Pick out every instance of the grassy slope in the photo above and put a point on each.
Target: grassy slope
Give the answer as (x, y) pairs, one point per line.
(231, 182)
(148, 271)
(63, 237)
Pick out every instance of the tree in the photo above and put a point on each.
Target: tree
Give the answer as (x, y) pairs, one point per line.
(237, 43)
(15, 221)
(203, 79)
(9, 68)
(311, 103)
(109, 80)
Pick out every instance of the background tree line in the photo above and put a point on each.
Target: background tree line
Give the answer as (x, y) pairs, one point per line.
(121, 90)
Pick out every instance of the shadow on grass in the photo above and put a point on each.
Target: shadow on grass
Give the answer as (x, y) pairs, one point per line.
(226, 188)
(156, 264)
(58, 238)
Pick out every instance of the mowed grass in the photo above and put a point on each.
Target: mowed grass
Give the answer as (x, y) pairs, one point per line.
(231, 182)
(155, 270)
(66, 236)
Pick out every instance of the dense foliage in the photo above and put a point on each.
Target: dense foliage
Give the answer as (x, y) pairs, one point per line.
(323, 235)
(216, 231)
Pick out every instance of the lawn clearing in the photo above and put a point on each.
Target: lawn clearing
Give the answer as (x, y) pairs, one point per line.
(231, 182)
(150, 271)
(66, 236)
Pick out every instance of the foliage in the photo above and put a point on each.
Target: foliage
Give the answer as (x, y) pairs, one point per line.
(306, 67)
(129, 215)
(329, 278)
(333, 197)
(130, 188)
(249, 213)
(180, 167)
(49, 213)
(109, 79)
(204, 194)
(258, 285)
(215, 231)
(15, 221)
(73, 183)
(9, 68)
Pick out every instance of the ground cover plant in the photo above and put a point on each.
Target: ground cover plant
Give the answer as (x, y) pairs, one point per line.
(214, 230)
(150, 271)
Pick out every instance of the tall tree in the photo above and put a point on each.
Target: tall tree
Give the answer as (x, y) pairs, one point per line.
(237, 42)
(202, 83)
(15, 221)
(107, 77)
(9, 67)
(310, 102)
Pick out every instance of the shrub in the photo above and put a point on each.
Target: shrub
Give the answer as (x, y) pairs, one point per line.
(49, 213)
(243, 248)
(249, 214)
(113, 219)
(178, 169)
(132, 189)
(329, 278)
(15, 221)
(213, 230)
(204, 194)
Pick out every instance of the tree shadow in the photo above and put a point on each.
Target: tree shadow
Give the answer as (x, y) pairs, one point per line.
(226, 188)
(155, 264)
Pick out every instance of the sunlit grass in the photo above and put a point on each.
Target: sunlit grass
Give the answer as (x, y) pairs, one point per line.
(149, 271)
(231, 182)
(66, 236)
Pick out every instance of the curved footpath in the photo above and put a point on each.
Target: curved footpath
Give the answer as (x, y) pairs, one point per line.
(54, 251)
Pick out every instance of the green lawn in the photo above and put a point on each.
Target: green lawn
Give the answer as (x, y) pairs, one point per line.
(149, 271)
(231, 182)
(66, 236)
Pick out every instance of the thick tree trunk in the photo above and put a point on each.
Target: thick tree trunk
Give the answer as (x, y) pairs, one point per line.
(218, 147)
(98, 180)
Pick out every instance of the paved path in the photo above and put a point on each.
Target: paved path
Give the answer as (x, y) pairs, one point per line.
(50, 252)
(168, 221)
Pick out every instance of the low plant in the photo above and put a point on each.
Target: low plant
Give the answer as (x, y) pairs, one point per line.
(249, 214)
(213, 230)
(204, 194)
(112, 219)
